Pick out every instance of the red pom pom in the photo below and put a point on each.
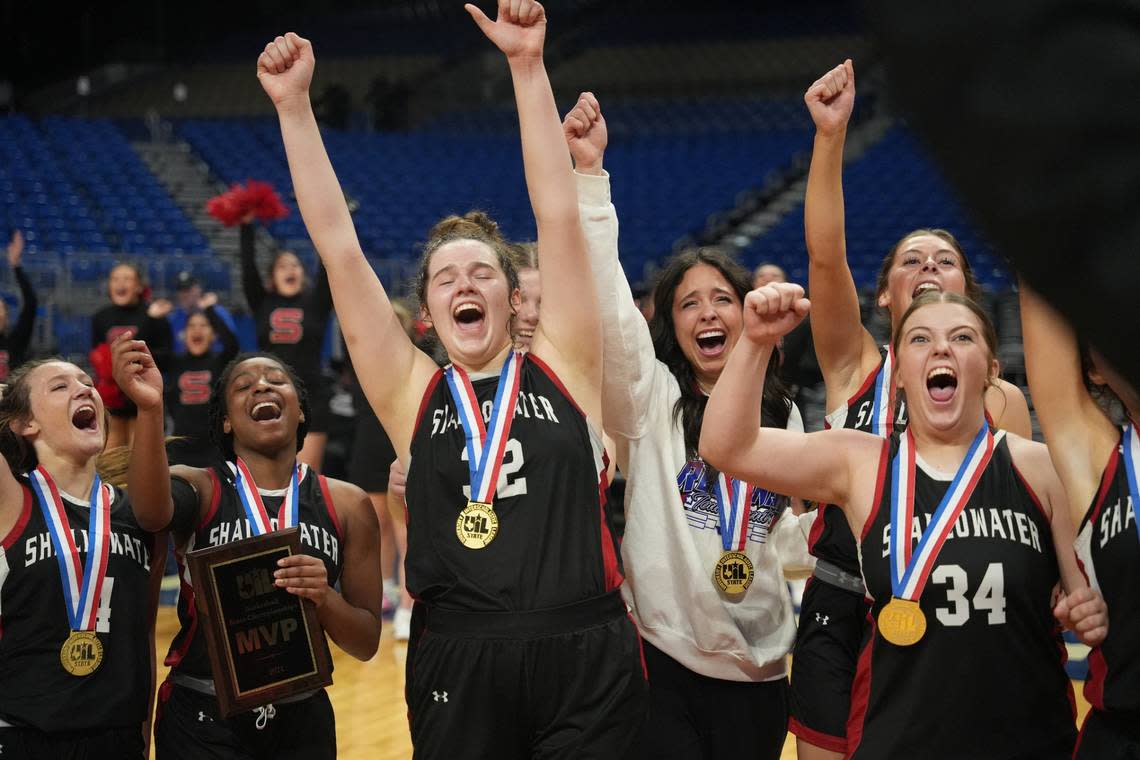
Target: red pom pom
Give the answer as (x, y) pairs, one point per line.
(256, 198)
(228, 208)
(105, 384)
(264, 202)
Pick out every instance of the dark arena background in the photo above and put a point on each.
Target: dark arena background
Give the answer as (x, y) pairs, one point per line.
(119, 121)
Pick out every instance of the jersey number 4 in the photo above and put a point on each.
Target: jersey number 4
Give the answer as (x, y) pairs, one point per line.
(508, 485)
(989, 596)
(103, 613)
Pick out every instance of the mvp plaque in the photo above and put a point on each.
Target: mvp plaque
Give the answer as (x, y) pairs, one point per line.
(265, 643)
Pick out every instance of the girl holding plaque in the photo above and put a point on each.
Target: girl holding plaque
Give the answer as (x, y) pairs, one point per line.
(258, 412)
(716, 616)
(1098, 460)
(520, 643)
(860, 396)
(961, 532)
(78, 577)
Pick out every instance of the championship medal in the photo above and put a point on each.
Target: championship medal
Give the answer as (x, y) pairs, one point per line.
(901, 621)
(82, 652)
(733, 572)
(477, 524)
(255, 512)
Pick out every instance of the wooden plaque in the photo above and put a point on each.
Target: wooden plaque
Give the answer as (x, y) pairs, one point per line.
(265, 643)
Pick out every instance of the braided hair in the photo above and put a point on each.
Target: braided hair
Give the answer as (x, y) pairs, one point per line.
(223, 441)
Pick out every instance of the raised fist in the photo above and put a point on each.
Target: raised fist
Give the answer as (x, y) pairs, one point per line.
(207, 300)
(585, 132)
(518, 30)
(831, 98)
(16, 249)
(159, 308)
(285, 68)
(771, 312)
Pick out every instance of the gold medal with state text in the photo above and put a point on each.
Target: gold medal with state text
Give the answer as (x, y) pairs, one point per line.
(82, 653)
(733, 573)
(902, 622)
(477, 525)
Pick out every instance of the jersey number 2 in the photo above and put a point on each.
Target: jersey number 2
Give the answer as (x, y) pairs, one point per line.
(989, 597)
(512, 463)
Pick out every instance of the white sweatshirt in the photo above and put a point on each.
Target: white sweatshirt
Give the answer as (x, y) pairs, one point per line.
(671, 541)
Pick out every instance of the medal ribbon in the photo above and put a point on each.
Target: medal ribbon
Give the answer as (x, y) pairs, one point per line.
(909, 573)
(255, 510)
(883, 408)
(486, 445)
(733, 497)
(1131, 468)
(81, 586)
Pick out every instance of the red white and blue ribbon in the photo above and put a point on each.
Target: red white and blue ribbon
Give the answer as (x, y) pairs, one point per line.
(255, 511)
(910, 571)
(81, 585)
(883, 407)
(486, 444)
(1132, 468)
(733, 505)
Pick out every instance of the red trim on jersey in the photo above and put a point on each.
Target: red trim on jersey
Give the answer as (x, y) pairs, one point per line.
(427, 396)
(881, 480)
(817, 526)
(330, 506)
(22, 522)
(817, 739)
(186, 591)
(215, 500)
(861, 690)
(164, 690)
(1098, 673)
(1030, 491)
(557, 382)
(1106, 480)
(867, 383)
(610, 566)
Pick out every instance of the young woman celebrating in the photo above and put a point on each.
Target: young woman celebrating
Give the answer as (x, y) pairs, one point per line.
(857, 373)
(703, 553)
(78, 574)
(522, 646)
(258, 411)
(963, 617)
(14, 339)
(1098, 461)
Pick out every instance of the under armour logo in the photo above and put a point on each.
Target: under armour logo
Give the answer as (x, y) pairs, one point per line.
(265, 714)
(439, 696)
(203, 717)
(821, 619)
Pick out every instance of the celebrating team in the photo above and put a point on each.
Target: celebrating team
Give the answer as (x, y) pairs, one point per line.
(947, 552)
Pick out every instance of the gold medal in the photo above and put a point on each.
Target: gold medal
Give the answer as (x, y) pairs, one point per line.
(902, 622)
(477, 525)
(82, 653)
(733, 573)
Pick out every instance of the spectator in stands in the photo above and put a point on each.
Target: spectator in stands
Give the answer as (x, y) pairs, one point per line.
(861, 394)
(766, 273)
(130, 310)
(188, 299)
(192, 374)
(14, 342)
(292, 321)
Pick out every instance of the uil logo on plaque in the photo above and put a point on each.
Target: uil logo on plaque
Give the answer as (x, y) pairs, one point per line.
(733, 573)
(477, 525)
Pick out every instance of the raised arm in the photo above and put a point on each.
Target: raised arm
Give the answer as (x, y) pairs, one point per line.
(21, 334)
(631, 375)
(251, 283)
(818, 466)
(392, 371)
(569, 333)
(230, 347)
(846, 351)
(1079, 436)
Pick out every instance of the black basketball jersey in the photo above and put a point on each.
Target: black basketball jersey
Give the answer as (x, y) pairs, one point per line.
(112, 321)
(225, 522)
(987, 679)
(188, 393)
(292, 328)
(1108, 548)
(35, 690)
(555, 543)
(830, 538)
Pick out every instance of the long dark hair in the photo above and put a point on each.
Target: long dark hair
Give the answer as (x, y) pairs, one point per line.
(217, 407)
(690, 407)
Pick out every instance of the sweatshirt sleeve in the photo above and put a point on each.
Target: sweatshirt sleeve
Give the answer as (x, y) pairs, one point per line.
(631, 374)
(22, 333)
(790, 533)
(250, 277)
